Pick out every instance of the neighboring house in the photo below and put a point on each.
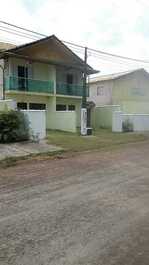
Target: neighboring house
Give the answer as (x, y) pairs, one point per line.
(46, 74)
(125, 91)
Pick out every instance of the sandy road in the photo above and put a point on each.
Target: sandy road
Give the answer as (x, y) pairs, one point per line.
(91, 209)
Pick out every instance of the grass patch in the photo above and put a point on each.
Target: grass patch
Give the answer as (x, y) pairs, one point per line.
(100, 139)
(74, 142)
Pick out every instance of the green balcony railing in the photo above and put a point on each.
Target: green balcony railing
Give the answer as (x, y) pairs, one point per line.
(69, 90)
(38, 86)
(29, 85)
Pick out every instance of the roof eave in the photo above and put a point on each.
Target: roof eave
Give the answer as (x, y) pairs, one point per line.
(7, 54)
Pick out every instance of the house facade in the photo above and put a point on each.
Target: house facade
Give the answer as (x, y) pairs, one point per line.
(127, 91)
(45, 75)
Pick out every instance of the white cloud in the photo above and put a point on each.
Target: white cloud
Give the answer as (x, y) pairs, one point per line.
(109, 25)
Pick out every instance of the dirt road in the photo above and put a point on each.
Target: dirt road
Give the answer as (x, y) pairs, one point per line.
(91, 209)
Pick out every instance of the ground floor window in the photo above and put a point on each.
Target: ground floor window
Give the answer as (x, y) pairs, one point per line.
(37, 106)
(61, 107)
(22, 105)
(71, 107)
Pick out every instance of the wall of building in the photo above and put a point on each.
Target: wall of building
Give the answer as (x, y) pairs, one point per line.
(28, 98)
(72, 101)
(37, 71)
(105, 97)
(61, 75)
(132, 92)
(49, 101)
(44, 72)
(51, 108)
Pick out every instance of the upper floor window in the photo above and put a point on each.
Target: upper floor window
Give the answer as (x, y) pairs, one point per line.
(22, 77)
(100, 91)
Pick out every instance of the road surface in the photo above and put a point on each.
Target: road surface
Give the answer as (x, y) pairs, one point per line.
(88, 209)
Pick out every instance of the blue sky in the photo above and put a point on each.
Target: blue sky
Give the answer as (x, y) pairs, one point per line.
(115, 26)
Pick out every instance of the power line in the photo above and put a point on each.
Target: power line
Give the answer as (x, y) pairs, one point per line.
(120, 62)
(22, 28)
(76, 45)
(119, 56)
(13, 31)
(17, 34)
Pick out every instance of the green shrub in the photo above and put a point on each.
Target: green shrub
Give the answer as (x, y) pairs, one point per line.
(14, 126)
(127, 126)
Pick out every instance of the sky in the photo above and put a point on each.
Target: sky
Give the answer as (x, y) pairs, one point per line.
(114, 26)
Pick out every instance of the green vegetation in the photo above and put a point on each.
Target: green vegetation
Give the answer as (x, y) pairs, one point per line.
(14, 126)
(99, 140)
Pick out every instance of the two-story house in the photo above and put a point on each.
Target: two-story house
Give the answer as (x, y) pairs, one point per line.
(126, 91)
(44, 74)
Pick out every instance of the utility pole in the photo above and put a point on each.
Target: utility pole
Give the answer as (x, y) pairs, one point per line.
(3, 73)
(83, 109)
(84, 80)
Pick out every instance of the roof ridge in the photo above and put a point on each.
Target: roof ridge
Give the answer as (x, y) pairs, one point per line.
(114, 75)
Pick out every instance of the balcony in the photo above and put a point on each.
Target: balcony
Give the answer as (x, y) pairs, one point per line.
(21, 84)
(69, 90)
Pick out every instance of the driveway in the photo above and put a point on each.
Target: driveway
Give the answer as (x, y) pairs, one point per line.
(90, 209)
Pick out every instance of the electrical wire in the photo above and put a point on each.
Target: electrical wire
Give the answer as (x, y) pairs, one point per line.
(17, 34)
(72, 45)
(13, 31)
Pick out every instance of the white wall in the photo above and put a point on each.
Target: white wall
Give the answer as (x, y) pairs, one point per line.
(140, 122)
(7, 104)
(37, 119)
(64, 121)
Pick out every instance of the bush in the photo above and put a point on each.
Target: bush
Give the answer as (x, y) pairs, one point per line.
(127, 126)
(14, 127)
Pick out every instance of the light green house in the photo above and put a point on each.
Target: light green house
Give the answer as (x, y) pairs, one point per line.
(45, 74)
(125, 91)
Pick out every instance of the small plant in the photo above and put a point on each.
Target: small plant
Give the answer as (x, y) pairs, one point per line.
(14, 126)
(127, 126)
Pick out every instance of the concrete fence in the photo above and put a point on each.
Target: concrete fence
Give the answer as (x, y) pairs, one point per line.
(102, 116)
(63, 120)
(37, 122)
(7, 104)
(140, 122)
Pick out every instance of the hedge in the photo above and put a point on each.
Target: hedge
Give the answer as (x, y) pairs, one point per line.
(14, 126)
